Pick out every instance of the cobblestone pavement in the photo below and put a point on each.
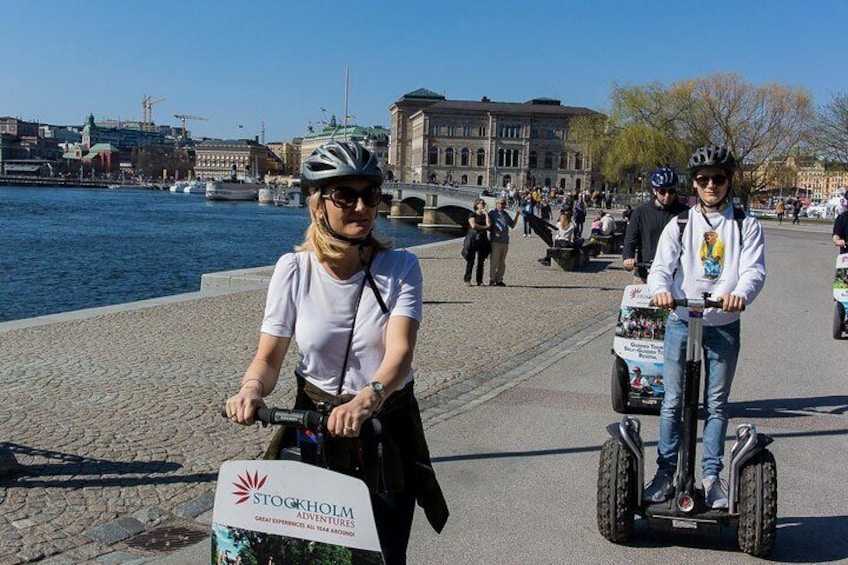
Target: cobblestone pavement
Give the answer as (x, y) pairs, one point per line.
(113, 418)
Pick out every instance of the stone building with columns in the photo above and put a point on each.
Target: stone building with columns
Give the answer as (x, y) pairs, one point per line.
(487, 143)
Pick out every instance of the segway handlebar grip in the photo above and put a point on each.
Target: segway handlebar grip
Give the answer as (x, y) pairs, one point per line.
(309, 419)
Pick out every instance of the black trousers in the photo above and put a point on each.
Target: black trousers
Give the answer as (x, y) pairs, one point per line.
(469, 266)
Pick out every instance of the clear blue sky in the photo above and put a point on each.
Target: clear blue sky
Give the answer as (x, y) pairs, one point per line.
(281, 61)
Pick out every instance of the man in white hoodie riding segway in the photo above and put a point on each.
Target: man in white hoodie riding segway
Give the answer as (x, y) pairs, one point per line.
(717, 249)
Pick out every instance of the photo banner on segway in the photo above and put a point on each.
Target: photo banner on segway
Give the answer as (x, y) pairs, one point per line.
(840, 281)
(638, 343)
(291, 512)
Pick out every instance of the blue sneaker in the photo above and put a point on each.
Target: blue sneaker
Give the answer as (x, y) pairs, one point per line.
(660, 489)
(714, 492)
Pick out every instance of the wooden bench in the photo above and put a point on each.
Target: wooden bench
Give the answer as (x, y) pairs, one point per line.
(569, 258)
(608, 243)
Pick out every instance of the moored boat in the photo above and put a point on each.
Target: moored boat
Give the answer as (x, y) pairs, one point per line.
(195, 187)
(232, 190)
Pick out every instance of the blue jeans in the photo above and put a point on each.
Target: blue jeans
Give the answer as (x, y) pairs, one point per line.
(721, 350)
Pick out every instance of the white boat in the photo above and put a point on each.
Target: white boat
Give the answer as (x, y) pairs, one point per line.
(232, 190)
(178, 186)
(195, 187)
(291, 199)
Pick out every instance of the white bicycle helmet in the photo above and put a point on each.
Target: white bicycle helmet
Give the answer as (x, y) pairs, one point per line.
(340, 160)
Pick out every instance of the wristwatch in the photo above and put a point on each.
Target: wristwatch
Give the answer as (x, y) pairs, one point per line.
(378, 388)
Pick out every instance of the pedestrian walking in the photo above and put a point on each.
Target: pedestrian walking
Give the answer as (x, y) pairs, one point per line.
(796, 211)
(780, 210)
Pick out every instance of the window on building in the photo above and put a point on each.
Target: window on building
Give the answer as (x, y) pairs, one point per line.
(501, 158)
(514, 158)
(464, 157)
(449, 156)
(434, 130)
(434, 156)
(563, 161)
(481, 158)
(562, 184)
(510, 131)
(466, 131)
(577, 185)
(549, 160)
(533, 160)
(464, 179)
(578, 161)
(451, 130)
(481, 131)
(547, 182)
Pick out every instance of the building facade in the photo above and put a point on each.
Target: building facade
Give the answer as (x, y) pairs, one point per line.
(819, 179)
(122, 137)
(487, 143)
(222, 158)
(289, 155)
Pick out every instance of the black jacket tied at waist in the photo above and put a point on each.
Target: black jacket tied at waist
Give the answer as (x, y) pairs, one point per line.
(405, 462)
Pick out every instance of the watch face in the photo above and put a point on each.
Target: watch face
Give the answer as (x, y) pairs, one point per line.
(378, 387)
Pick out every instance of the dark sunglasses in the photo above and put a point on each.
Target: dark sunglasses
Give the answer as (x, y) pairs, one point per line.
(704, 180)
(347, 197)
(664, 191)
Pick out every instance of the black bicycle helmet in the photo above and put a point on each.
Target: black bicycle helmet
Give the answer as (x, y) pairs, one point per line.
(664, 177)
(340, 160)
(712, 156)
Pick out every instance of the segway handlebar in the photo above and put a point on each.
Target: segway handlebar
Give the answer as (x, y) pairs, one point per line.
(707, 302)
(703, 302)
(309, 419)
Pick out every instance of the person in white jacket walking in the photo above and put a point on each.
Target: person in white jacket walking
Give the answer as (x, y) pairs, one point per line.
(721, 252)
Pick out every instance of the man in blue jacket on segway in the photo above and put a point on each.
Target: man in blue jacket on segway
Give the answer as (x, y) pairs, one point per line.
(717, 250)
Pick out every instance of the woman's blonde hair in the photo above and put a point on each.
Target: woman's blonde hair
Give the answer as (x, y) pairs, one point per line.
(320, 242)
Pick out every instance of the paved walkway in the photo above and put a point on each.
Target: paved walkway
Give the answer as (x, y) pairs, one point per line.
(112, 416)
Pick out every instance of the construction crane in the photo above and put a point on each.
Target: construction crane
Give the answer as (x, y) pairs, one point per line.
(147, 103)
(183, 118)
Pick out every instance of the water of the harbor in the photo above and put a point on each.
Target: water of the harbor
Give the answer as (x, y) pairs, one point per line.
(65, 249)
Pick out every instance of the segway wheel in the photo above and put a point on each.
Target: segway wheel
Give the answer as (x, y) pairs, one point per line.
(620, 387)
(838, 320)
(758, 505)
(616, 492)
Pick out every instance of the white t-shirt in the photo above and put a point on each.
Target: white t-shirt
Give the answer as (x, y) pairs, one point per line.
(717, 265)
(306, 303)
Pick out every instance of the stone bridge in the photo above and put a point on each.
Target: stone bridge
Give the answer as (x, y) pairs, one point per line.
(432, 205)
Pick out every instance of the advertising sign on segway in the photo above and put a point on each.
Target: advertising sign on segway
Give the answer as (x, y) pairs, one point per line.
(291, 512)
(840, 296)
(637, 385)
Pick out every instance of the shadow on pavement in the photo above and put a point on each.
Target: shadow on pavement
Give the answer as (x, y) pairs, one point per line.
(808, 539)
(90, 472)
(790, 407)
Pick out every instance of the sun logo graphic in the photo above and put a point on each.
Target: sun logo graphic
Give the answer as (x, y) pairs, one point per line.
(246, 484)
(635, 292)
